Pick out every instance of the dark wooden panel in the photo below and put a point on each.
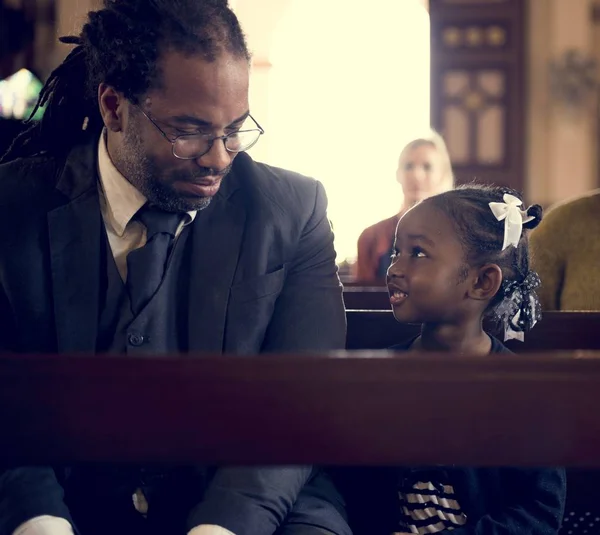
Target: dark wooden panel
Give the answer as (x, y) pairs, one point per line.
(366, 298)
(351, 282)
(368, 409)
(562, 331)
(508, 56)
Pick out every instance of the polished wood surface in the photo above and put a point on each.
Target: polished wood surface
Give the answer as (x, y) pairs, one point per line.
(364, 408)
(366, 298)
(564, 331)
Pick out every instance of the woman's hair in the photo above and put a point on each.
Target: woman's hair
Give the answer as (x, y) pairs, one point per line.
(120, 45)
(436, 141)
(482, 236)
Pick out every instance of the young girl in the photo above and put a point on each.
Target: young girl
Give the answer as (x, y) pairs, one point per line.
(460, 256)
(424, 169)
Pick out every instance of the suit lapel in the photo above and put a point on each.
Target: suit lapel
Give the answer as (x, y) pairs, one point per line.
(216, 245)
(74, 235)
(75, 231)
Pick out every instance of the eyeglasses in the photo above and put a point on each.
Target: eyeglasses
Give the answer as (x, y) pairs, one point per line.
(193, 146)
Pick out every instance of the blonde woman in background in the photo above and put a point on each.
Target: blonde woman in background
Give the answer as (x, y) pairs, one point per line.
(424, 169)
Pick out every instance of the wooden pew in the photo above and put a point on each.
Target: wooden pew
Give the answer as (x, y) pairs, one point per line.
(350, 280)
(366, 298)
(337, 409)
(557, 331)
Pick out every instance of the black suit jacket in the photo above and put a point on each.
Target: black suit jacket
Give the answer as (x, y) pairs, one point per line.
(264, 279)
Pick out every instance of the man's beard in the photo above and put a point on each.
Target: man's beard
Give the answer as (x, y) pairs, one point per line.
(141, 170)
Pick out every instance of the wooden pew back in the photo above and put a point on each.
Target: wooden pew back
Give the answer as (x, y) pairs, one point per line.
(336, 409)
(557, 331)
(339, 409)
(366, 298)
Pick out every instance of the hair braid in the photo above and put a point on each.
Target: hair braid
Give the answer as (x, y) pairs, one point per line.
(120, 45)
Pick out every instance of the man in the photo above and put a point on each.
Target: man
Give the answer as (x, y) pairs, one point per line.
(132, 221)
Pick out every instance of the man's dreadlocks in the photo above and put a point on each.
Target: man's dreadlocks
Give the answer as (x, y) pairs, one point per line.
(120, 46)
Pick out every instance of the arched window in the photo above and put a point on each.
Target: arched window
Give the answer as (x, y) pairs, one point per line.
(348, 87)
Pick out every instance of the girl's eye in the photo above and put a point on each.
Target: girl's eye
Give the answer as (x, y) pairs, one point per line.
(418, 252)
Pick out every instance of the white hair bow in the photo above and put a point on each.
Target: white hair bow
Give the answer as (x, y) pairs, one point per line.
(513, 217)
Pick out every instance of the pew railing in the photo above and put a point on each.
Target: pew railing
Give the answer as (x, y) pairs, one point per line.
(366, 298)
(372, 408)
(558, 331)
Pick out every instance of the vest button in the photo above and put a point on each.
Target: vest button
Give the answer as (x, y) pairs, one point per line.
(136, 339)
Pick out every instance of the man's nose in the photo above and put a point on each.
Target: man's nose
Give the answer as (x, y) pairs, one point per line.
(218, 157)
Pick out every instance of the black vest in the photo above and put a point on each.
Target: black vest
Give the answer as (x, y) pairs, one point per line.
(161, 326)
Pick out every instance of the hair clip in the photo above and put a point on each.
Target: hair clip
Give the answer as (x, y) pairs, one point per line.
(520, 309)
(513, 217)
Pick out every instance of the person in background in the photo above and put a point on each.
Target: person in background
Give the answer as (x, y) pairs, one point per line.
(458, 257)
(424, 169)
(566, 253)
(133, 222)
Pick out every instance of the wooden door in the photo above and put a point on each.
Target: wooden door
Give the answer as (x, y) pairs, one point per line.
(478, 87)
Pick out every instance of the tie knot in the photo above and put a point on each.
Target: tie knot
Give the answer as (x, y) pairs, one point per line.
(158, 221)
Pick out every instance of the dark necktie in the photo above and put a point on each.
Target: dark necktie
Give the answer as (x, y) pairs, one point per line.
(146, 265)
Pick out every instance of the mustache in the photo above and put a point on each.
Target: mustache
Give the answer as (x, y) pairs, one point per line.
(207, 171)
(199, 173)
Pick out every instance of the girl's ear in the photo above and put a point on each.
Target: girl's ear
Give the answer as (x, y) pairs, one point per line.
(487, 283)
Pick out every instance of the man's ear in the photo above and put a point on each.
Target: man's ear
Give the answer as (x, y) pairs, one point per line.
(487, 283)
(112, 106)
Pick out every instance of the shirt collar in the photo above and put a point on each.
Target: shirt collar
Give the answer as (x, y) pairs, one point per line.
(122, 198)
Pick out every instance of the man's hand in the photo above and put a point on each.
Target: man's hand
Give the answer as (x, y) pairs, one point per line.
(45, 525)
(207, 529)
